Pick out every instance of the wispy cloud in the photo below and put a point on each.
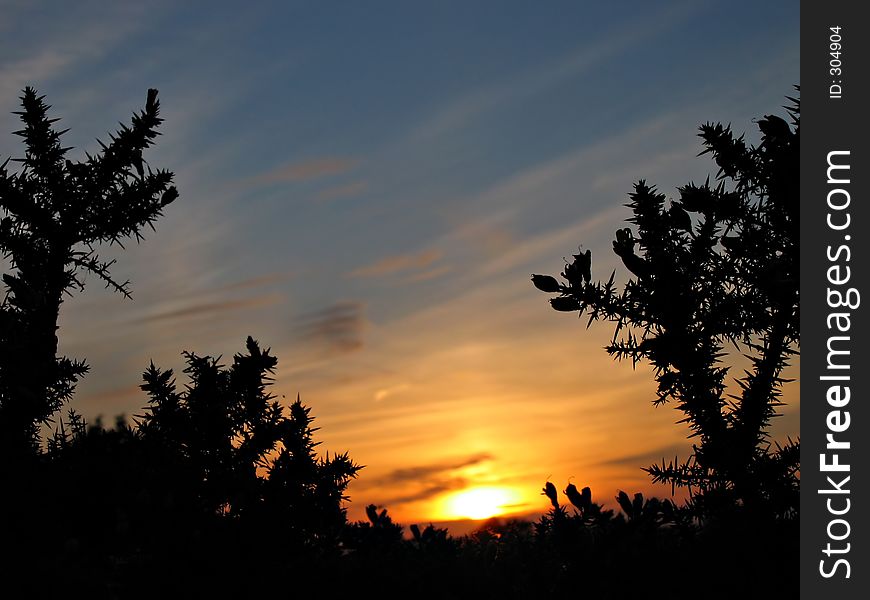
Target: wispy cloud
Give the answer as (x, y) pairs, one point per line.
(107, 397)
(426, 481)
(211, 308)
(305, 171)
(488, 97)
(385, 392)
(41, 50)
(652, 456)
(398, 263)
(337, 328)
(429, 275)
(428, 492)
(426, 472)
(342, 191)
(32, 68)
(252, 282)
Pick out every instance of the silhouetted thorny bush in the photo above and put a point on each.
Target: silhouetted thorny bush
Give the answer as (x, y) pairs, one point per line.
(646, 548)
(54, 214)
(652, 547)
(213, 483)
(249, 461)
(716, 268)
(377, 534)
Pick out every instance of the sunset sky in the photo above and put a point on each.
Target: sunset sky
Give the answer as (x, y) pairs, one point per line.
(365, 187)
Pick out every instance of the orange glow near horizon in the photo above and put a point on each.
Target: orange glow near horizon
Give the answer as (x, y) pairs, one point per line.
(479, 503)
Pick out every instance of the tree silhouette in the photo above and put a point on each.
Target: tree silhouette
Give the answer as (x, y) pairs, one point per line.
(55, 213)
(215, 482)
(244, 459)
(715, 269)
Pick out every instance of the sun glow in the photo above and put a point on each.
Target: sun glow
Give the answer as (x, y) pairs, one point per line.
(479, 503)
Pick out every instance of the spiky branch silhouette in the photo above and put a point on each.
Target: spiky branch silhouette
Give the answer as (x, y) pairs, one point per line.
(247, 458)
(55, 213)
(716, 268)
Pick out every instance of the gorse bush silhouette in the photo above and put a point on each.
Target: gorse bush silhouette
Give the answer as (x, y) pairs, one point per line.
(212, 481)
(378, 533)
(218, 474)
(54, 214)
(247, 460)
(648, 547)
(715, 268)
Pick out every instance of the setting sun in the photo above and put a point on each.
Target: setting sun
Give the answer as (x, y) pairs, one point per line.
(479, 503)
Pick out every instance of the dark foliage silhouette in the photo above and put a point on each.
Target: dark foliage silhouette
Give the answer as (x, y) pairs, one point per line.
(378, 533)
(646, 547)
(715, 269)
(247, 460)
(55, 213)
(652, 545)
(212, 483)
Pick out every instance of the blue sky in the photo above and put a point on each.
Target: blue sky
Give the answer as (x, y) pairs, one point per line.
(366, 187)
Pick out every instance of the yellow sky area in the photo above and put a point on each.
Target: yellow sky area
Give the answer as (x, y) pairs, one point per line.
(494, 390)
(438, 409)
(477, 406)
